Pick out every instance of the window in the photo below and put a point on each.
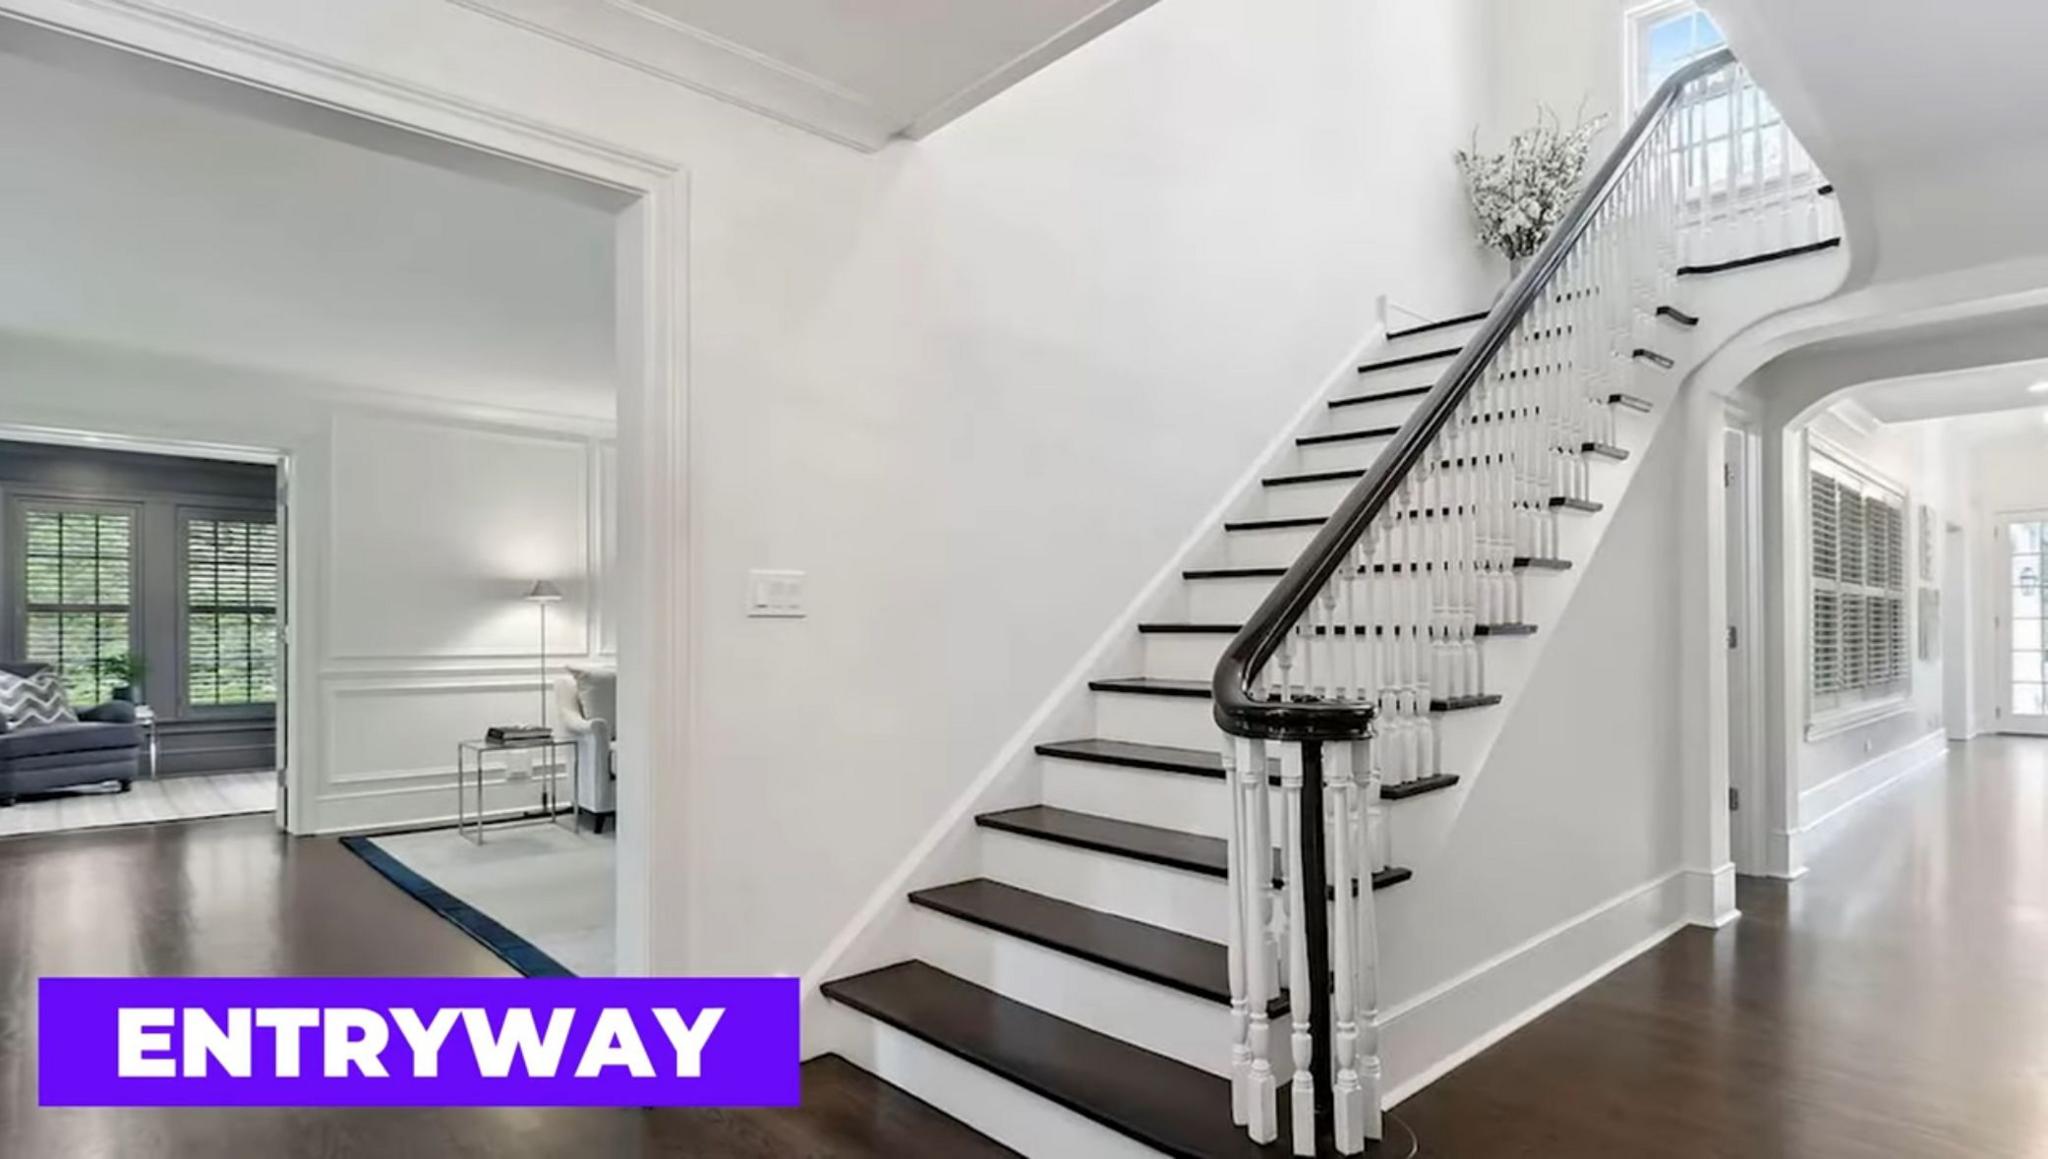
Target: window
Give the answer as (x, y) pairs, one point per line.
(77, 584)
(231, 572)
(1665, 37)
(1856, 552)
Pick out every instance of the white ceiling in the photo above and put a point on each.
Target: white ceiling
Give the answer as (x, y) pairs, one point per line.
(152, 210)
(858, 71)
(1979, 390)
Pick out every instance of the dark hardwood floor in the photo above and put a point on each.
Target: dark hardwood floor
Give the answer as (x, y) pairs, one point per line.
(1894, 1002)
(233, 897)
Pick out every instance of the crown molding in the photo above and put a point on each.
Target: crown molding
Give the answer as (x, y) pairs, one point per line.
(635, 36)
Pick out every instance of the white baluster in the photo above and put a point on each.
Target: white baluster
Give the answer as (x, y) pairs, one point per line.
(1302, 1089)
(1348, 1110)
(1252, 862)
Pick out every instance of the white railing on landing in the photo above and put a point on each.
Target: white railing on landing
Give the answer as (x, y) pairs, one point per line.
(1340, 671)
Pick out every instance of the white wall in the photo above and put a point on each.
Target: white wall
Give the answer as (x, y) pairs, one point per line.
(1560, 55)
(412, 534)
(980, 386)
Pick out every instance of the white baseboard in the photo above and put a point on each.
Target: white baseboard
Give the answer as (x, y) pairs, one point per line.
(1427, 1036)
(1832, 797)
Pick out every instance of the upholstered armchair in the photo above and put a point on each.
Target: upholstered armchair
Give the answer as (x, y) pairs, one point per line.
(585, 701)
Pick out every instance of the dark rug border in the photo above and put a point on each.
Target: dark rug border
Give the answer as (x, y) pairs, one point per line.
(514, 950)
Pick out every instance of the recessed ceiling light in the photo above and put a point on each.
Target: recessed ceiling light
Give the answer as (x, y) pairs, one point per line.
(2038, 388)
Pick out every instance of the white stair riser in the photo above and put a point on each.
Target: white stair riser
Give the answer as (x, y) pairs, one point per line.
(1351, 454)
(1304, 498)
(1183, 801)
(1183, 1027)
(1192, 903)
(1181, 656)
(1381, 412)
(1182, 721)
(1279, 547)
(990, 1104)
(1226, 601)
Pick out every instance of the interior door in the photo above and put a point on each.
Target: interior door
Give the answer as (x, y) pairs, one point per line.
(2023, 647)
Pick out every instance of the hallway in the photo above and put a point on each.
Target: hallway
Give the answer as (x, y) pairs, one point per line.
(1893, 1002)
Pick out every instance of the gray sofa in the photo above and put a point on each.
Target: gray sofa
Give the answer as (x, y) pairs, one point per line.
(105, 745)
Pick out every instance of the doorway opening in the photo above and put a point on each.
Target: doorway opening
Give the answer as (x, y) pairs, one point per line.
(2022, 647)
(475, 382)
(143, 613)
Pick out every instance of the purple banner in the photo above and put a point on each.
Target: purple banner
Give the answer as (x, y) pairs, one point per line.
(472, 1042)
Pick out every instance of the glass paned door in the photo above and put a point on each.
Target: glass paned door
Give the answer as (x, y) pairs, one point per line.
(2025, 639)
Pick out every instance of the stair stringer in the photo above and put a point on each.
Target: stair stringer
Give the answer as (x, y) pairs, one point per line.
(1440, 1008)
(884, 929)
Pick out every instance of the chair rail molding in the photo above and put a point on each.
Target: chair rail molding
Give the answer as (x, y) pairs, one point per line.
(654, 526)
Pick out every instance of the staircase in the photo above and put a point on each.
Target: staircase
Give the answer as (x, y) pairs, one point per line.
(1119, 975)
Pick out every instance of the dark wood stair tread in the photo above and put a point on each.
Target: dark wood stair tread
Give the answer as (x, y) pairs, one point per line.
(1569, 504)
(1166, 1105)
(1346, 436)
(1417, 787)
(1195, 762)
(1193, 852)
(1381, 396)
(1149, 843)
(1447, 323)
(1132, 755)
(1630, 402)
(1604, 450)
(1170, 958)
(1153, 686)
(1677, 315)
(1760, 259)
(1219, 629)
(1410, 360)
(1524, 562)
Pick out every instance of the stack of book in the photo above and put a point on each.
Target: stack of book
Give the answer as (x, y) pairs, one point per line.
(517, 734)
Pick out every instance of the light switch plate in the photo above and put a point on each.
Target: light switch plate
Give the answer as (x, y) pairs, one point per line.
(776, 594)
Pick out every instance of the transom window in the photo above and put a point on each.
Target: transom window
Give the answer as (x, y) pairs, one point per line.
(1856, 550)
(77, 587)
(231, 582)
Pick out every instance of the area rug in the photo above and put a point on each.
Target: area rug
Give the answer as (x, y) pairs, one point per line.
(538, 896)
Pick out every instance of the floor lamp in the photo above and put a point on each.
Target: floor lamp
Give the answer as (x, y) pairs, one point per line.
(543, 593)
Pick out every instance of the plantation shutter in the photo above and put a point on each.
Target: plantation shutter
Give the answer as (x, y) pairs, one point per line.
(1856, 554)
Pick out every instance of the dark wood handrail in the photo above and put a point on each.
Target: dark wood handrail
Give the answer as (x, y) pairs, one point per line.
(1238, 712)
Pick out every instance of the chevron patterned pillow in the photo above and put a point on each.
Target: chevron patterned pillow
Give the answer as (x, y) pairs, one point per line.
(34, 701)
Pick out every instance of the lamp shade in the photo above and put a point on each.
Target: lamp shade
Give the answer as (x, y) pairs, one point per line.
(543, 592)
